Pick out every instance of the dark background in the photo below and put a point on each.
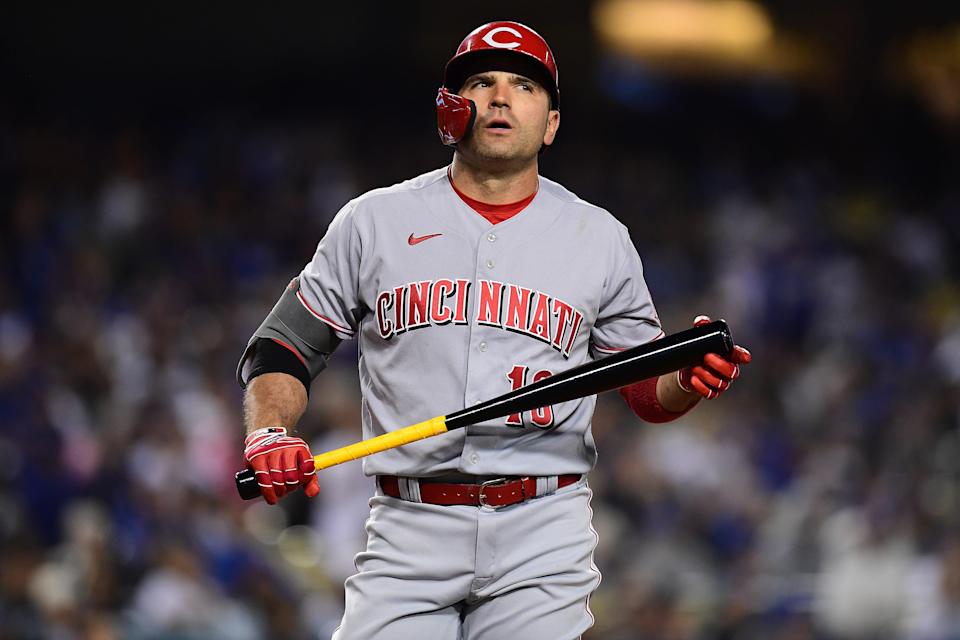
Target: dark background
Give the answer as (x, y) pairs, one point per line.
(166, 169)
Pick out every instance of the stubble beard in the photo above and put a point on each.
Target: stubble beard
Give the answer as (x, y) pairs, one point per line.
(506, 155)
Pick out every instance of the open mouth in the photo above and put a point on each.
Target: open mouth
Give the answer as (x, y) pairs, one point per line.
(499, 124)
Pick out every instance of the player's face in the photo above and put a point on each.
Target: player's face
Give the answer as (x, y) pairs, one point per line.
(513, 117)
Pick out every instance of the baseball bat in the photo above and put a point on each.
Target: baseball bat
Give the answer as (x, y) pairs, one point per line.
(670, 353)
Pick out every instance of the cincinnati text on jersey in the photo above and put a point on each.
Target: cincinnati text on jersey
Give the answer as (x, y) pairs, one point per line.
(510, 307)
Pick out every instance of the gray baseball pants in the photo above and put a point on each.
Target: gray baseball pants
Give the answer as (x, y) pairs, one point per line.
(430, 572)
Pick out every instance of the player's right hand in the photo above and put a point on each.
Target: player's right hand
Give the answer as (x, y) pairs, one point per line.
(281, 463)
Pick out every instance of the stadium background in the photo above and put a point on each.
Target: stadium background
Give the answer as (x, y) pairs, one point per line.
(789, 165)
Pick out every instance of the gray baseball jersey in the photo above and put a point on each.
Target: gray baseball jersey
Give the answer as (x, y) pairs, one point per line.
(451, 310)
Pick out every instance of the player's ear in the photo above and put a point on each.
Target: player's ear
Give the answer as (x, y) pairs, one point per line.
(553, 124)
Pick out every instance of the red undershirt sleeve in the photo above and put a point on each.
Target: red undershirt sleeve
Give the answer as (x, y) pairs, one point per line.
(641, 397)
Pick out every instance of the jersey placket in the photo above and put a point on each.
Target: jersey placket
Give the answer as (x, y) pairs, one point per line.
(481, 344)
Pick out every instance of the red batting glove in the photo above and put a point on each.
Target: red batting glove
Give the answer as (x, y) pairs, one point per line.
(714, 375)
(280, 463)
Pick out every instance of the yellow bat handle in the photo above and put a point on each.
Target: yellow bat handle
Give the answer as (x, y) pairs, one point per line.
(414, 432)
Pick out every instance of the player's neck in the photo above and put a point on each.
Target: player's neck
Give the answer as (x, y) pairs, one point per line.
(493, 187)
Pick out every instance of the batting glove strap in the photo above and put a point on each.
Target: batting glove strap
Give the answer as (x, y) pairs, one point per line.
(262, 436)
(271, 445)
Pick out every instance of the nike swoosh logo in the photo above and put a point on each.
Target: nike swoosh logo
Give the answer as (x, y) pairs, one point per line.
(412, 240)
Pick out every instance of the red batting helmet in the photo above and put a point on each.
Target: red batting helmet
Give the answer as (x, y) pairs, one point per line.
(509, 45)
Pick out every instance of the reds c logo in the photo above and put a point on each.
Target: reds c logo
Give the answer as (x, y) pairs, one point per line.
(502, 45)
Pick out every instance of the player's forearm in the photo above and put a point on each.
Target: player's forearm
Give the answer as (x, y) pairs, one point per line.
(671, 396)
(274, 400)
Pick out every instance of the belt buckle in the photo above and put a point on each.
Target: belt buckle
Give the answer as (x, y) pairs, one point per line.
(484, 485)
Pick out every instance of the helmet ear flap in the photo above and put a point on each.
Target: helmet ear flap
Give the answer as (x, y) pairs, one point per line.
(455, 116)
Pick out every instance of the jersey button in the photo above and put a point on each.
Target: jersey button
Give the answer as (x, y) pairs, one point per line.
(474, 458)
(492, 237)
(489, 264)
(482, 346)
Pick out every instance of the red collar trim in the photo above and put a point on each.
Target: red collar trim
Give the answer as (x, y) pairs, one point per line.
(494, 213)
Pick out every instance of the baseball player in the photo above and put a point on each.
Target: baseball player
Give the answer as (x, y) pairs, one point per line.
(462, 284)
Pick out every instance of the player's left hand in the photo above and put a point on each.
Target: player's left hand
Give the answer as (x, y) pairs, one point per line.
(715, 374)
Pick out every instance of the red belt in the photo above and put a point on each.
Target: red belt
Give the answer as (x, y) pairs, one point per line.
(492, 493)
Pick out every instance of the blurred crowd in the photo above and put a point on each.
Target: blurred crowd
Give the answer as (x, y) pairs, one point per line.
(818, 499)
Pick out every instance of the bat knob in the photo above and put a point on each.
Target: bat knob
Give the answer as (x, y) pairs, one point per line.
(726, 335)
(247, 485)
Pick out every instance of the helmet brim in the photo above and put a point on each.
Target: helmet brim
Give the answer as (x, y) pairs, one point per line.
(461, 67)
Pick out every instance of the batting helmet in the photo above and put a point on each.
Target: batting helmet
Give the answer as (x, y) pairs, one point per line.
(509, 45)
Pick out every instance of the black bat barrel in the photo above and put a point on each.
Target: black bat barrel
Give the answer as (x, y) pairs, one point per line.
(656, 358)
